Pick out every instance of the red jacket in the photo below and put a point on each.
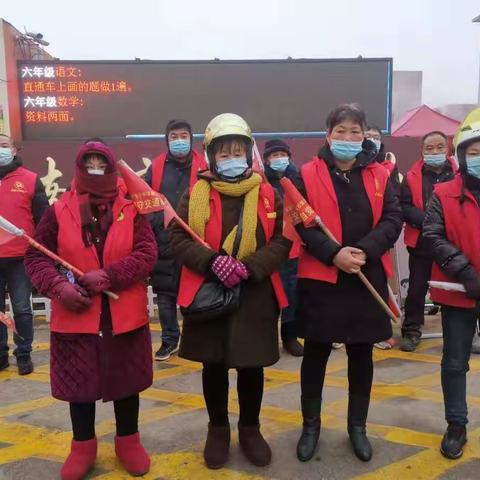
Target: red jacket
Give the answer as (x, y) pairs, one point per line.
(158, 164)
(17, 190)
(129, 312)
(321, 196)
(190, 282)
(462, 228)
(415, 183)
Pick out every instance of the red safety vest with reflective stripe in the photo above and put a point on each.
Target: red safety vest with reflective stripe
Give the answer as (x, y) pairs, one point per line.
(462, 228)
(190, 282)
(129, 312)
(415, 182)
(323, 199)
(158, 165)
(17, 190)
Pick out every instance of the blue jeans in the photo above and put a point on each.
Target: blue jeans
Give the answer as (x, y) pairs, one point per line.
(288, 272)
(458, 329)
(13, 276)
(167, 311)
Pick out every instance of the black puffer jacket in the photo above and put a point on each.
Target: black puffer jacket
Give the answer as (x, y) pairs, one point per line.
(450, 259)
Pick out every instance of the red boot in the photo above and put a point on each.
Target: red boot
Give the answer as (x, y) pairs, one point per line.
(80, 461)
(132, 455)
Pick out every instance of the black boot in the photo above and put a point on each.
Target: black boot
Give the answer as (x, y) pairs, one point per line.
(357, 418)
(307, 443)
(453, 441)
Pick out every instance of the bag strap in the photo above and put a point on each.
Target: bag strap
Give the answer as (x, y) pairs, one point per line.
(238, 235)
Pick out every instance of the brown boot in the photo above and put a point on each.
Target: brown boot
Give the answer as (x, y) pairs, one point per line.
(217, 446)
(254, 446)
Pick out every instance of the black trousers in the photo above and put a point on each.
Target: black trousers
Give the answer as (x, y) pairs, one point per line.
(314, 364)
(420, 273)
(215, 392)
(126, 417)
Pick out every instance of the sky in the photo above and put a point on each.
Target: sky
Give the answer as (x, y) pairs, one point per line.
(435, 36)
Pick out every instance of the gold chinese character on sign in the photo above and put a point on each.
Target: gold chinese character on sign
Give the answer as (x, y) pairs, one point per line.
(52, 188)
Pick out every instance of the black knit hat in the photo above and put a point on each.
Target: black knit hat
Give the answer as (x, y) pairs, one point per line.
(275, 145)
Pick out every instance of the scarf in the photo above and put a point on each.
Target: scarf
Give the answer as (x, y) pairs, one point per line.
(96, 193)
(199, 211)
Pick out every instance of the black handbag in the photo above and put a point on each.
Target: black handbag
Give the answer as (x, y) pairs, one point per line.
(213, 299)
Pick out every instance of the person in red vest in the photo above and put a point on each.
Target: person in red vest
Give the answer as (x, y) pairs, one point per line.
(451, 230)
(374, 134)
(23, 202)
(100, 348)
(241, 218)
(435, 166)
(171, 173)
(278, 163)
(354, 197)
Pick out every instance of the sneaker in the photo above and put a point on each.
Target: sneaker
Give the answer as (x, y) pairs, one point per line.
(385, 345)
(293, 347)
(336, 345)
(410, 343)
(475, 344)
(4, 364)
(24, 364)
(453, 441)
(165, 352)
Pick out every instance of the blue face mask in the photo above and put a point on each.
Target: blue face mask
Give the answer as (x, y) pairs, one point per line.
(378, 143)
(436, 160)
(473, 165)
(179, 147)
(280, 164)
(232, 168)
(6, 156)
(345, 151)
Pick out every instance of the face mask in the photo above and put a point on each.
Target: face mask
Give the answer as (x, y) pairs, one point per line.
(280, 164)
(344, 150)
(95, 171)
(232, 167)
(378, 143)
(6, 155)
(436, 160)
(473, 166)
(179, 147)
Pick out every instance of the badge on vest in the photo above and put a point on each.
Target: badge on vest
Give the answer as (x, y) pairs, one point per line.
(18, 187)
(120, 217)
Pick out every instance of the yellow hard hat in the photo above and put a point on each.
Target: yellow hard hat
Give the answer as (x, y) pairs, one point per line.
(466, 127)
(226, 124)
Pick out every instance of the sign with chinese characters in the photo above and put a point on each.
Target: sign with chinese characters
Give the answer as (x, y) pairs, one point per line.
(81, 99)
(60, 100)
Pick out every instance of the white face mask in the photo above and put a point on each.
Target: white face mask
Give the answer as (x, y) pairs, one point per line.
(95, 171)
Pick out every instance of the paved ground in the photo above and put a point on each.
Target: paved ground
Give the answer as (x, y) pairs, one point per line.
(405, 423)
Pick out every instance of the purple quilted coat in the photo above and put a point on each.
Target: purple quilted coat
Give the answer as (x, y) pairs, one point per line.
(87, 367)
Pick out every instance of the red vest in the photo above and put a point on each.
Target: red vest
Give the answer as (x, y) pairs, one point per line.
(190, 282)
(462, 228)
(17, 190)
(415, 182)
(130, 310)
(158, 164)
(321, 196)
